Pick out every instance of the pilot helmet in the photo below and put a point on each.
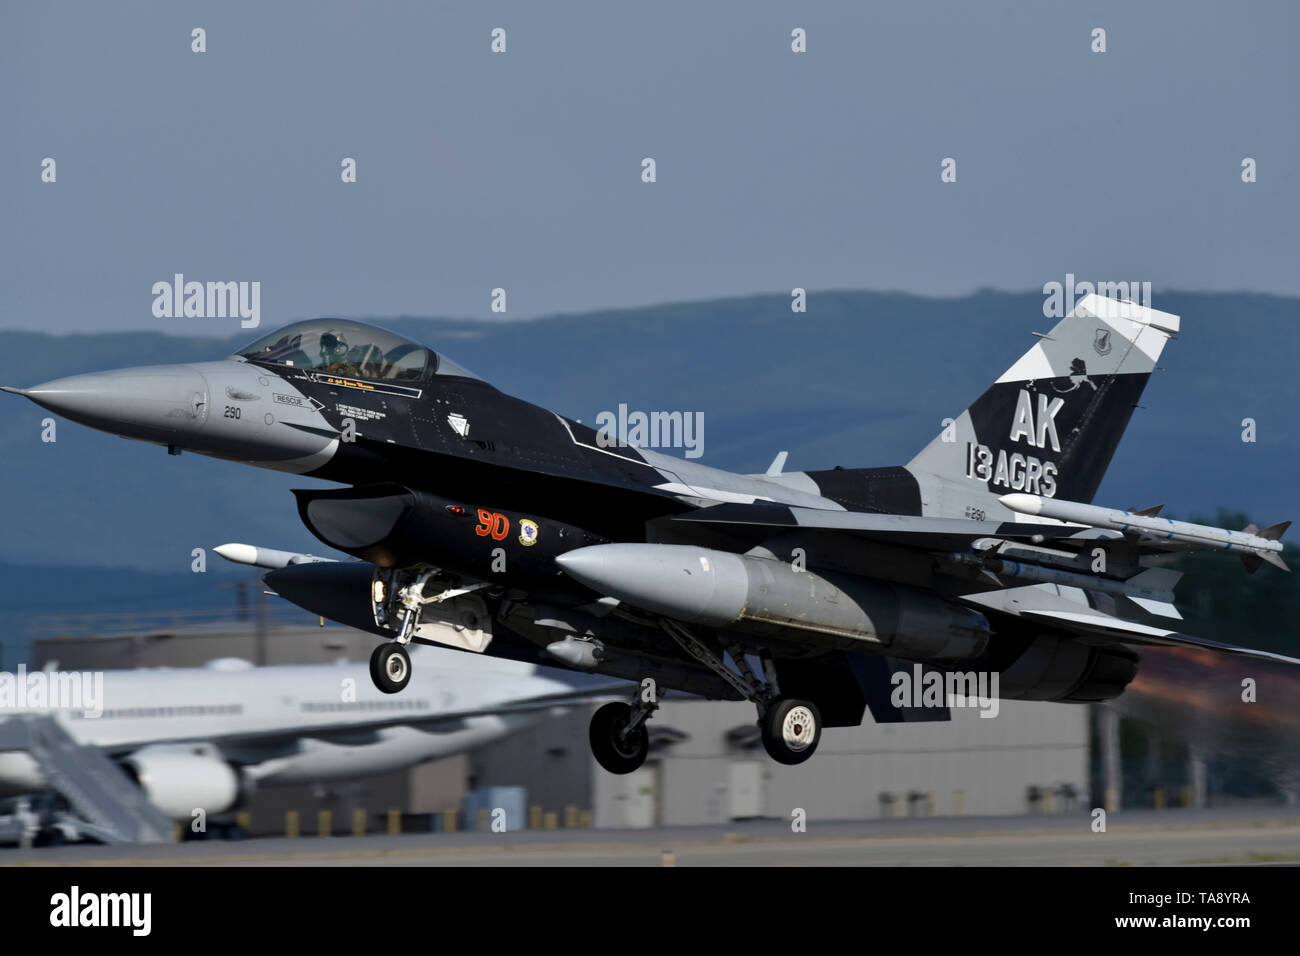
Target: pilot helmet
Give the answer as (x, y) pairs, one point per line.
(332, 344)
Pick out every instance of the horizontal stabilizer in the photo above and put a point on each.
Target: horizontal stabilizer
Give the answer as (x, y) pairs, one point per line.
(1094, 624)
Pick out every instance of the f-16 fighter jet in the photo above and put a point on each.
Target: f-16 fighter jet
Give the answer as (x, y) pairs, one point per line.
(814, 595)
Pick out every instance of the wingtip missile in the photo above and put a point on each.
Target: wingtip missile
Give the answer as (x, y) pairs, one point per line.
(1250, 540)
(1023, 503)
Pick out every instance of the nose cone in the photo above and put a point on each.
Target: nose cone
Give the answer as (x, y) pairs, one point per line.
(162, 403)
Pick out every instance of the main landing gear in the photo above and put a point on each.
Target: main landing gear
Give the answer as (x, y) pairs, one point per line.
(789, 727)
(791, 730)
(619, 740)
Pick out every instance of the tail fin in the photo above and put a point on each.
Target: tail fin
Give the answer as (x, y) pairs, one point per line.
(1051, 423)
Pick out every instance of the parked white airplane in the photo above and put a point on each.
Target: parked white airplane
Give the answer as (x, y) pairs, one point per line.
(205, 737)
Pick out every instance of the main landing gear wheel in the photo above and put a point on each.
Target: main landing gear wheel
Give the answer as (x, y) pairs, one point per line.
(390, 668)
(791, 730)
(616, 748)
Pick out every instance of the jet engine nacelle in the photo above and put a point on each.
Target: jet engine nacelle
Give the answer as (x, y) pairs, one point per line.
(1055, 667)
(179, 779)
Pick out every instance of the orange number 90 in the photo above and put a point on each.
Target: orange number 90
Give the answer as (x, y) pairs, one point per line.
(492, 523)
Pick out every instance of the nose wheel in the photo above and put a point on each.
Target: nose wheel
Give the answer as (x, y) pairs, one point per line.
(390, 668)
(619, 740)
(790, 730)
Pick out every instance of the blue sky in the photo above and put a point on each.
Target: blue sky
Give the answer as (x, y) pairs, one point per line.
(522, 170)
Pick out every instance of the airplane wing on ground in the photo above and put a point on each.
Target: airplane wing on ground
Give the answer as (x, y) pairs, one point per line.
(450, 719)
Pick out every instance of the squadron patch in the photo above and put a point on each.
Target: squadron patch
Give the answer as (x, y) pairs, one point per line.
(527, 532)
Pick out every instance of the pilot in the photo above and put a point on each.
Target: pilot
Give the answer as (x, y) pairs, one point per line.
(334, 353)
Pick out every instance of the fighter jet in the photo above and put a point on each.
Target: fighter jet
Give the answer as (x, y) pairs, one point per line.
(814, 595)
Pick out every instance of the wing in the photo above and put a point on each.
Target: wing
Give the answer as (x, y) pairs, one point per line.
(1041, 572)
(925, 533)
(1132, 632)
(449, 719)
(1138, 531)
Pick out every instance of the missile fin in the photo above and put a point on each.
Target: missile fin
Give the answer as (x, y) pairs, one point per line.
(1275, 559)
(1275, 531)
(1252, 562)
(1147, 512)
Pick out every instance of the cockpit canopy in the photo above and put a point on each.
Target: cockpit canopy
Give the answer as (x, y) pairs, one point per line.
(341, 347)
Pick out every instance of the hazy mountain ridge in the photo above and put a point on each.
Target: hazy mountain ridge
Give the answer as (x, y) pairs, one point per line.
(863, 378)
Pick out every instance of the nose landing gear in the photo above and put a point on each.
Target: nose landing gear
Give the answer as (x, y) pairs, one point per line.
(390, 667)
(406, 606)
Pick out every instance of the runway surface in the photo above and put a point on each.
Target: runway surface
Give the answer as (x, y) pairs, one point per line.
(1137, 837)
